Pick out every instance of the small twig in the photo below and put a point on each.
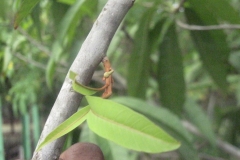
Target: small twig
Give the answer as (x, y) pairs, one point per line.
(36, 64)
(229, 148)
(40, 46)
(210, 27)
(226, 147)
(23, 58)
(123, 28)
(208, 157)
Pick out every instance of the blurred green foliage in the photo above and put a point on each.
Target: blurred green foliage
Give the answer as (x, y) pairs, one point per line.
(174, 73)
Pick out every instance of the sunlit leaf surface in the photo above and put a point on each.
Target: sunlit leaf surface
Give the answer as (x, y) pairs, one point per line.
(125, 127)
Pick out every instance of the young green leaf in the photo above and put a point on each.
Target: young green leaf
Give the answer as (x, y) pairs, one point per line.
(125, 127)
(67, 126)
(84, 90)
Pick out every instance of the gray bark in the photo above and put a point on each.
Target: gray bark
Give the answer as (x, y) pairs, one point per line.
(93, 50)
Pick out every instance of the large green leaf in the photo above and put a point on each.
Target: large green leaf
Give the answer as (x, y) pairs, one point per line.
(170, 72)
(123, 126)
(25, 9)
(212, 47)
(165, 119)
(140, 58)
(67, 126)
(200, 119)
(159, 115)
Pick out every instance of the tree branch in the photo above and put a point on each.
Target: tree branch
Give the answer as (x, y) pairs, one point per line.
(226, 147)
(210, 27)
(90, 55)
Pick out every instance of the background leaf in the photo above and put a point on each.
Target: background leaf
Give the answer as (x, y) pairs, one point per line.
(70, 2)
(23, 12)
(219, 9)
(200, 119)
(84, 90)
(212, 48)
(140, 58)
(66, 31)
(170, 72)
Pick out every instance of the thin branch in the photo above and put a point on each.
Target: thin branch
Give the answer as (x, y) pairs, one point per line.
(39, 45)
(123, 28)
(210, 27)
(226, 147)
(208, 157)
(27, 60)
(35, 63)
(34, 42)
(92, 52)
